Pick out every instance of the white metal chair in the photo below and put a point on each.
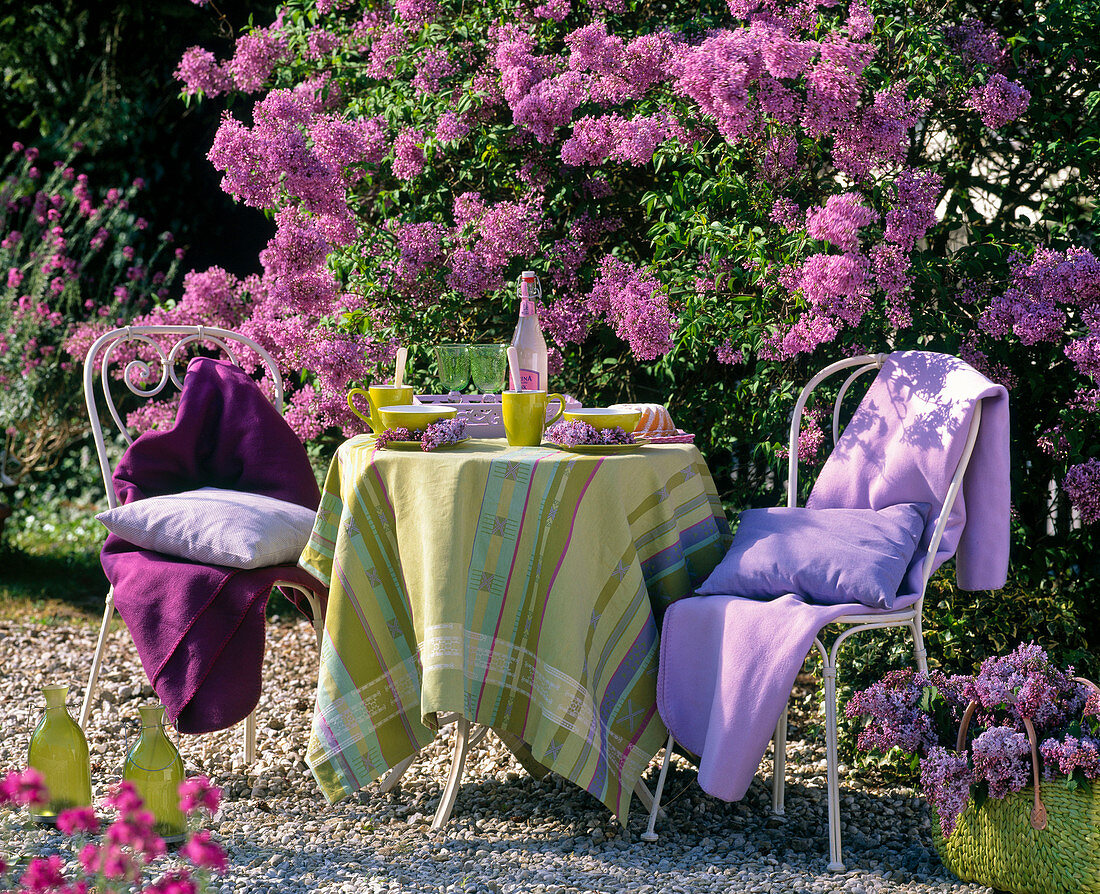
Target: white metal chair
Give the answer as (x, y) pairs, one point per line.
(909, 618)
(136, 372)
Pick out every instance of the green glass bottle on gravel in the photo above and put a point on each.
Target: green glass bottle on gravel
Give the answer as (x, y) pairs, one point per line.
(59, 751)
(155, 768)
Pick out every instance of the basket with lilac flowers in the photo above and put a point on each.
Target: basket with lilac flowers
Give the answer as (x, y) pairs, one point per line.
(1009, 760)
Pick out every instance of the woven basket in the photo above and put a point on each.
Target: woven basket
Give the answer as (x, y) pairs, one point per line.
(1026, 844)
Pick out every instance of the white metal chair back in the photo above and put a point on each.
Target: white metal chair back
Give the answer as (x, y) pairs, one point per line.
(159, 360)
(863, 364)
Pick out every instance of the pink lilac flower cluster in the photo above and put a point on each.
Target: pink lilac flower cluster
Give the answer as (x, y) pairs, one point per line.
(921, 716)
(126, 847)
(445, 431)
(1082, 486)
(631, 300)
(431, 437)
(255, 56)
(999, 102)
(574, 433)
(977, 43)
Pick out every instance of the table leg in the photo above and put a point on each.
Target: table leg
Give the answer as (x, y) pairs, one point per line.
(454, 778)
(393, 774)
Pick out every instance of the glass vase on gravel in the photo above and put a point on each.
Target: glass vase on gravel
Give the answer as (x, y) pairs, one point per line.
(59, 751)
(155, 768)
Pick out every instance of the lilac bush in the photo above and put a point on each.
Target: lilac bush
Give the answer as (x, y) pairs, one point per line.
(921, 715)
(719, 197)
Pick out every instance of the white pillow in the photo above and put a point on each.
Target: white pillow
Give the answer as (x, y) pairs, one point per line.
(214, 526)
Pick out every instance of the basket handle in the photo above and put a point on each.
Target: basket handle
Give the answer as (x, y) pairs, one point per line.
(1038, 810)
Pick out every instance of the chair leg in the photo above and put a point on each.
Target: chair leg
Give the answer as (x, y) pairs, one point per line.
(393, 775)
(250, 739)
(454, 778)
(831, 761)
(920, 655)
(649, 834)
(779, 764)
(97, 658)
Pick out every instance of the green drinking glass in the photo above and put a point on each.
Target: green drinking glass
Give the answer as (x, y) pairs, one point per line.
(453, 366)
(489, 367)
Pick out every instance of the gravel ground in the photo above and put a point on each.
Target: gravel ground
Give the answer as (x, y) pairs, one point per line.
(508, 833)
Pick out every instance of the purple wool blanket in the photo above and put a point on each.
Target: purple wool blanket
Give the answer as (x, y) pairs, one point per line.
(728, 663)
(199, 629)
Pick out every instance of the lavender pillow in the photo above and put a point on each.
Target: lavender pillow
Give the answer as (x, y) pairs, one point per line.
(829, 556)
(213, 526)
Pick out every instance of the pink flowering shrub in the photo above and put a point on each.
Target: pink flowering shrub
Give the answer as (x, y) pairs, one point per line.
(920, 715)
(121, 856)
(71, 255)
(718, 197)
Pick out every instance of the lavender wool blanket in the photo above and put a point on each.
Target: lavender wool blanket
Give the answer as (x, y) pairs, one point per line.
(728, 663)
(199, 629)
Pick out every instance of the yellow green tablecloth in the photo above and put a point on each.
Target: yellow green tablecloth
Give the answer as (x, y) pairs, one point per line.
(518, 586)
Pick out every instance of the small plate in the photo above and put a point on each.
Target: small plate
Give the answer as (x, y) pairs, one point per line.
(415, 445)
(600, 449)
(681, 437)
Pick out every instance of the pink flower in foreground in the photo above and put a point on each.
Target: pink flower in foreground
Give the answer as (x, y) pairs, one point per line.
(197, 792)
(24, 788)
(205, 853)
(79, 819)
(43, 874)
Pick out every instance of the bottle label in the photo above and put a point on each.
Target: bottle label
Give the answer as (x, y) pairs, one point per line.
(529, 380)
(527, 307)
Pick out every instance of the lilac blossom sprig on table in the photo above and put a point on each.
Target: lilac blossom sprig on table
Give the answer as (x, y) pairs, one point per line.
(920, 715)
(437, 434)
(575, 433)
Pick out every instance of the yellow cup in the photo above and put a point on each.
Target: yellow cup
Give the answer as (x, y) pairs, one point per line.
(525, 416)
(380, 396)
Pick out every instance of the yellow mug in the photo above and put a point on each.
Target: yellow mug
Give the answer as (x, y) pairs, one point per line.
(525, 416)
(380, 396)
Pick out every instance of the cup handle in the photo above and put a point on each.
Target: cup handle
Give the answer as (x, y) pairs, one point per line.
(373, 409)
(561, 406)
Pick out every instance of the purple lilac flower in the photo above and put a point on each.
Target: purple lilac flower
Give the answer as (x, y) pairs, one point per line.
(451, 127)
(255, 57)
(556, 10)
(945, 780)
(200, 72)
(394, 434)
(408, 153)
(1070, 754)
(631, 300)
(416, 12)
(445, 431)
(1026, 684)
(976, 43)
(840, 220)
(999, 101)
(1082, 486)
(1002, 758)
(574, 433)
(896, 719)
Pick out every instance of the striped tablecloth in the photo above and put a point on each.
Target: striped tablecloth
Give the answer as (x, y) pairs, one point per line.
(521, 587)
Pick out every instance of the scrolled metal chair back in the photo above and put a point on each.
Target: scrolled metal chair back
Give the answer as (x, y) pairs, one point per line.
(158, 354)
